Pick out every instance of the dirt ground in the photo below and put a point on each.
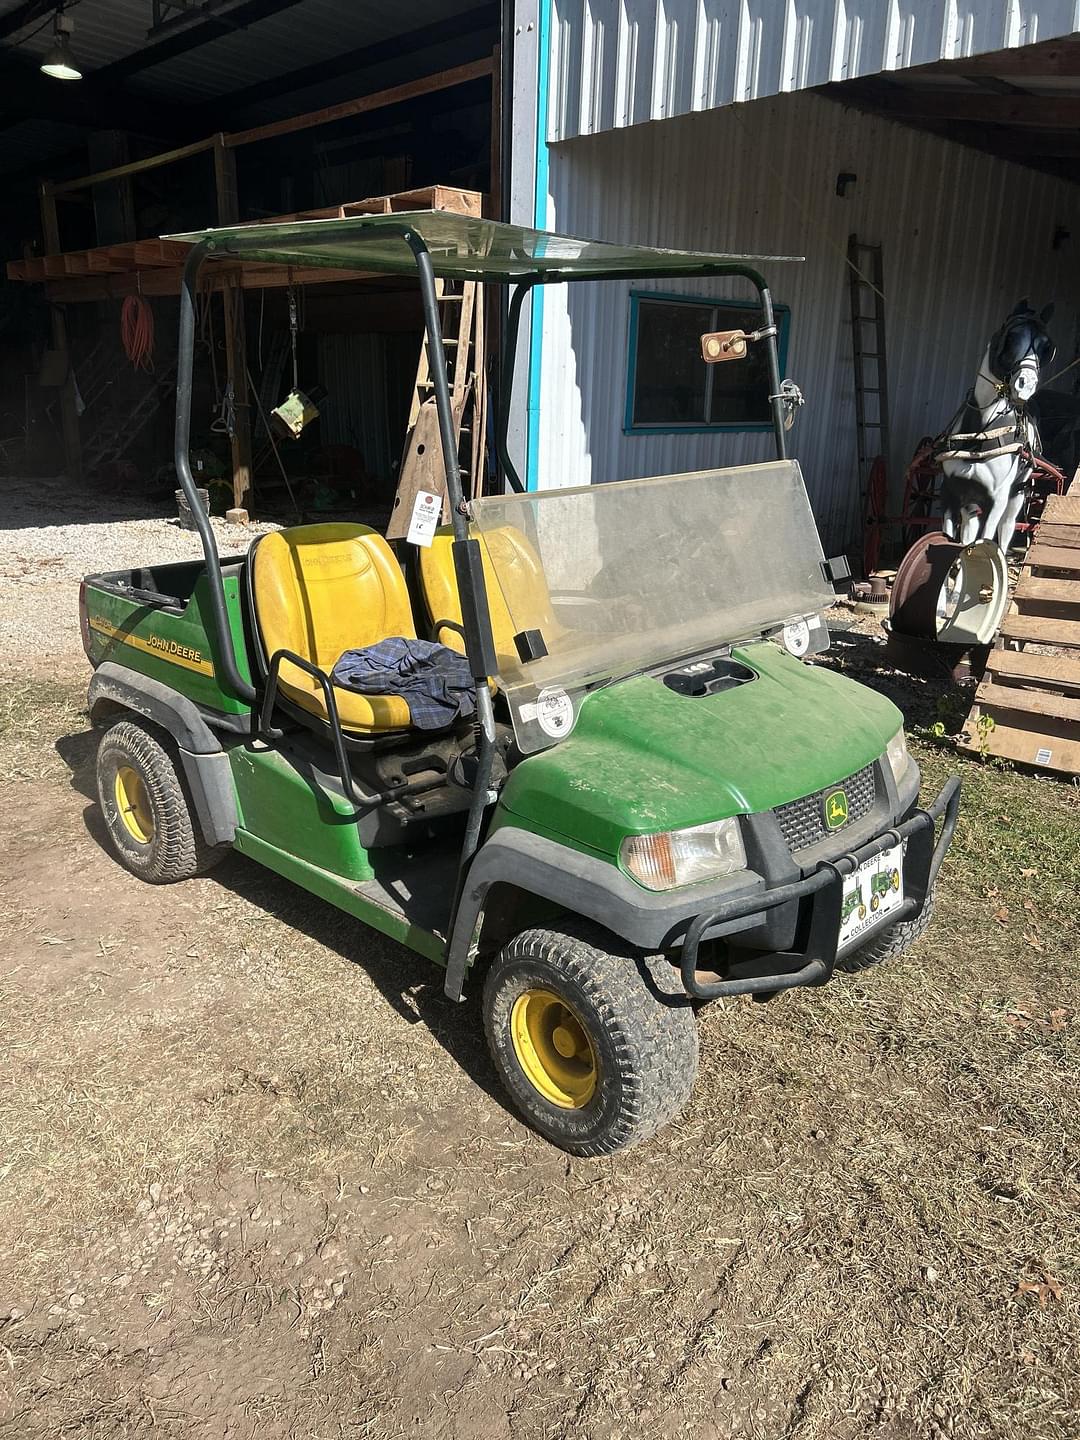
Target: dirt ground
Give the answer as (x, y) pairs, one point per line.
(257, 1178)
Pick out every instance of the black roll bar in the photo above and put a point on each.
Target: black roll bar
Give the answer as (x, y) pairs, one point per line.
(225, 655)
(468, 560)
(524, 288)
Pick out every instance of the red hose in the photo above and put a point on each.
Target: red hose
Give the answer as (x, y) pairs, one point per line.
(137, 332)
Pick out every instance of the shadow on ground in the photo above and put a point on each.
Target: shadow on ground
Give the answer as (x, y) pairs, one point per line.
(408, 982)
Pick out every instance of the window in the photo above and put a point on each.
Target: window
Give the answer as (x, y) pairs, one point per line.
(669, 386)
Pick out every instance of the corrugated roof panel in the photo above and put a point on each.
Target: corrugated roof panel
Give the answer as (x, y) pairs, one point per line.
(302, 34)
(622, 62)
(965, 235)
(105, 30)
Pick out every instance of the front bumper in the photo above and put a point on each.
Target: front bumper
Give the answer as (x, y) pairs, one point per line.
(814, 959)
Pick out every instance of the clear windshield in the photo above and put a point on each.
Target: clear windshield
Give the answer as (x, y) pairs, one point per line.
(623, 577)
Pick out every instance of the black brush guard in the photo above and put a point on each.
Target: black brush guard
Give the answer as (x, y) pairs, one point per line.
(824, 887)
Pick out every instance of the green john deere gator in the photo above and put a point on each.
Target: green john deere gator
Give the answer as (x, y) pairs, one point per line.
(659, 800)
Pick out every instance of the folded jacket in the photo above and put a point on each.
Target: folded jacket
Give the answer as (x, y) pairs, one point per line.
(434, 680)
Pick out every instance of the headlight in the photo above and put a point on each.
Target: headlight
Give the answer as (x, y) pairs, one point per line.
(896, 754)
(682, 857)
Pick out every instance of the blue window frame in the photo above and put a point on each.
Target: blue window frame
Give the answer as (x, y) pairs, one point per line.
(669, 388)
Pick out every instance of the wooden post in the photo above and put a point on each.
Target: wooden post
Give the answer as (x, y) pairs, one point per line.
(69, 415)
(495, 195)
(232, 295)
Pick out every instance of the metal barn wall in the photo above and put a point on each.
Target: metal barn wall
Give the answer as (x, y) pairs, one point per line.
(623, 62)
(964, 236)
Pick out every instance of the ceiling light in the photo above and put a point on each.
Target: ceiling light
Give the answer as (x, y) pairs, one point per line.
(58, 60)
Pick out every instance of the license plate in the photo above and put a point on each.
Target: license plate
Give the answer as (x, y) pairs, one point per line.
(871, 893)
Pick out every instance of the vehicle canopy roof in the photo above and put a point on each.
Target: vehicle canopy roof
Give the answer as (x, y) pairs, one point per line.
(462, 247)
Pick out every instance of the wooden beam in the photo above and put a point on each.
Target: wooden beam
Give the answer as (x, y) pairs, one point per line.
(1049, 743)
(1049, 60)
(1047, 592)
(1044, 629)
(903, 103)
(228, 213)
(1053, 557)
(1061, 670)
(1032, 702)
(1063, 536)
(1063, 510)
(495, 197)
(396, 95)
(114, 286)
(1010, 144)
(134, 167)
(69, 414)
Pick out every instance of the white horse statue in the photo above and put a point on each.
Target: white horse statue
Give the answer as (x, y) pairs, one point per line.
(987, 457)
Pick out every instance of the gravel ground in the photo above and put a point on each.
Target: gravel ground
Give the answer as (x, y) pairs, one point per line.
(52, 533)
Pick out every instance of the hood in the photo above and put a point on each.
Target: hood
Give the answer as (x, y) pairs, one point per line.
(643, 758)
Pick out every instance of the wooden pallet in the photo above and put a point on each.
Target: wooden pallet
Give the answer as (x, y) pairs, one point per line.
(154, 267)
(1033, 696)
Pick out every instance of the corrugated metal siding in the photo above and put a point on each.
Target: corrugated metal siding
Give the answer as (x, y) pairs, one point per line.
(622, 62)
(964, 237)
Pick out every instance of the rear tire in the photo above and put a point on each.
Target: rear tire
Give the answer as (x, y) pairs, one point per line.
(146, 808)
(593, 1055)
(891, 942)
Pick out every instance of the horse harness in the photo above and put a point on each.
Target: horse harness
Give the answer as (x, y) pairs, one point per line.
(1020, 336)
(1020, 437)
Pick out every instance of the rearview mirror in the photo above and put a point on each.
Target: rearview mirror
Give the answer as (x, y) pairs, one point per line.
(721, 345)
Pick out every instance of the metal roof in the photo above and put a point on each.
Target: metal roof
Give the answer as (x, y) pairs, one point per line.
(616, 63)
(462, 248)
(302, 33)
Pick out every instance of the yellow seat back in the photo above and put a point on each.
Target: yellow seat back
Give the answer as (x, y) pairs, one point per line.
(518, 596)
(320, 590)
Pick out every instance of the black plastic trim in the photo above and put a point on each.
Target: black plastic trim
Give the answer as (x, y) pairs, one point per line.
(818, 951)
(743, 903)
(584, 885)
(205, 764)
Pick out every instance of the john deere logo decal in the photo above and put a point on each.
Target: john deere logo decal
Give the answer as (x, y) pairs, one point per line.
(836, 809)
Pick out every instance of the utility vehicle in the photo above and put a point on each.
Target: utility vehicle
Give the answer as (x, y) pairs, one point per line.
(657, 802)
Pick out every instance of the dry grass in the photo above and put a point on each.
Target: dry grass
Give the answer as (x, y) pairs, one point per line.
(285, 1192)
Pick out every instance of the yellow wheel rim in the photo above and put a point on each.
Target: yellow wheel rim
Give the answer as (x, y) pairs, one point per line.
(133, 804)
(553, 1048)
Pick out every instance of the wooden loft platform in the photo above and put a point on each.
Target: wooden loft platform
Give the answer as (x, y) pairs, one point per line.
(154, 267)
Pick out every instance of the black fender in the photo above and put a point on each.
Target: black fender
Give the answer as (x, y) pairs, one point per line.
(115, 690)
(582, 884)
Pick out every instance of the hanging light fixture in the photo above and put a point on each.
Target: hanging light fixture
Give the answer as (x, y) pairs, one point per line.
(58, 60)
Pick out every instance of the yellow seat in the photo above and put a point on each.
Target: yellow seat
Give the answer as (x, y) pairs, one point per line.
(320, 590)
(518, 596)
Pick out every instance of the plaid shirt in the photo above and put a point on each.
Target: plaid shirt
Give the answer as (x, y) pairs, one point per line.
(434, 680)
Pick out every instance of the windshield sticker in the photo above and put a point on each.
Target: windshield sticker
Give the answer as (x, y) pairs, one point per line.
(555, 713)
(797, 637)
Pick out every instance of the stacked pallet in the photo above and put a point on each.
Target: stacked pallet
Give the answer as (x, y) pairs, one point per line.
(1031, 690)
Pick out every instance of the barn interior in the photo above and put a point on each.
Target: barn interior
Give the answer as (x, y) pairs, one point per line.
(187, 115)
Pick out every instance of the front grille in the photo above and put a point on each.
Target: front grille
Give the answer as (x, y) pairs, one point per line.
(803, 821)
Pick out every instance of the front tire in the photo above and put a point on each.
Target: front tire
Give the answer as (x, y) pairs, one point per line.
(593, 1055)
(146, 808)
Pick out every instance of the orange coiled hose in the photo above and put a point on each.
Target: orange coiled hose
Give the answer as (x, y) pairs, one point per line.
(137, 332)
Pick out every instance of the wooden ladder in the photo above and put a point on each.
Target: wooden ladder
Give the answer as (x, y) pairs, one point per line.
(461, 312)
(1032, 696)
(866, 284)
